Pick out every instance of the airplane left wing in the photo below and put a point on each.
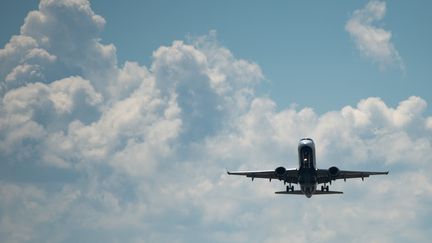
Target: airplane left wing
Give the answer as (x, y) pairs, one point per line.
(289, 175)
(327, 175)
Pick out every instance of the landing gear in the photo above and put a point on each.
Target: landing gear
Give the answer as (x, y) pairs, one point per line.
(325, 188)
(290, 188)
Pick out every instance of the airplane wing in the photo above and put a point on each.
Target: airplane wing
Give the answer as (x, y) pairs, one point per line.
(324, 176)
(290, 175)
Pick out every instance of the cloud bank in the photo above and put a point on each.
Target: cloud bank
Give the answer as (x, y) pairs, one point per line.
(373, 42)
(92, 150)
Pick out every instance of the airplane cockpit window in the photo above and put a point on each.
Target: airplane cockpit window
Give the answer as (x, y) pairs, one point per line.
(306, 156)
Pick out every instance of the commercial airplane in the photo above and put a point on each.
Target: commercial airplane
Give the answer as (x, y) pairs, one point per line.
(307, 175)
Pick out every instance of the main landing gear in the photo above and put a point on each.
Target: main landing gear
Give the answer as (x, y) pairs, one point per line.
(290, 188)
(325, 188)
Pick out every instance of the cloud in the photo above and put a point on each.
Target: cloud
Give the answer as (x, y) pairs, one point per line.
(373, 42)
(95, 151)
(60, 39)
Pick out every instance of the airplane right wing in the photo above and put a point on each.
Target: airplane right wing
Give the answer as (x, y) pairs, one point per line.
(287, 175)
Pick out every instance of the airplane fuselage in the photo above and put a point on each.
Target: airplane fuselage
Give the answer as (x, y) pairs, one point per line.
(307, 167)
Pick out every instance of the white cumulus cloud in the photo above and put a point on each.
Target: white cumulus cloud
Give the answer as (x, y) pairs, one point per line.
(373, 41)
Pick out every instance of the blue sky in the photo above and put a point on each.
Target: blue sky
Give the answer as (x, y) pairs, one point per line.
(118, 121)
(297, 44)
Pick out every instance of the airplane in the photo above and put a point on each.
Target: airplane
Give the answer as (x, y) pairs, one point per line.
(307, 175)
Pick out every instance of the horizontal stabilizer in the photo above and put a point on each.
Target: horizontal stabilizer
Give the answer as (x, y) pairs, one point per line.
(296, 192)
(317, 192)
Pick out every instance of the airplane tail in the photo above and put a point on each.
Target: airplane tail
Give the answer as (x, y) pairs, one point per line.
(296, 192)
(317, 192)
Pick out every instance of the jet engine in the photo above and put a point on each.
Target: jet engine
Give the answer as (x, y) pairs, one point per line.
(333, 172)
(280, 171)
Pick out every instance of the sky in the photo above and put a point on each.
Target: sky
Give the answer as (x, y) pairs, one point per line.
(118, 120)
